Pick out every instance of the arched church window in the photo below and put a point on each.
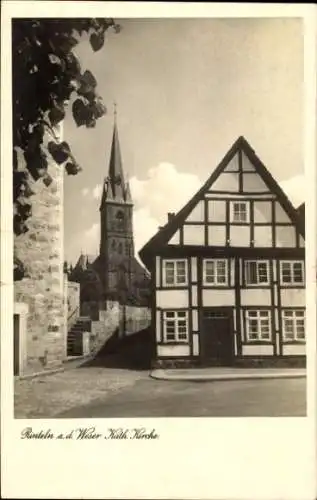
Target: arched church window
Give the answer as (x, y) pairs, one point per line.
(120, 219)
(120, 248)
(113, 245)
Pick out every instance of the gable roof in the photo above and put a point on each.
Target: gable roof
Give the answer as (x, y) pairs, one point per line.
(301, 212)
(164, 234)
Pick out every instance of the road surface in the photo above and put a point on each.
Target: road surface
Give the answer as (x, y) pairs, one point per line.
(237, 398)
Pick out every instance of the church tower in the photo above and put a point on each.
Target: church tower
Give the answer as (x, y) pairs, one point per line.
(116, 230)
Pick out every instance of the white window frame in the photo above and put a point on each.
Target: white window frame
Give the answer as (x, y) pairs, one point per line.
(292, 264)
(257, 264)
(233, 213)
(176, 281)
(216, 273)
(295, 317)
(261, 316)
(177, 321)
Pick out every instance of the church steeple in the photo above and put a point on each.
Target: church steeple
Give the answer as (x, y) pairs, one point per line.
(114, 188)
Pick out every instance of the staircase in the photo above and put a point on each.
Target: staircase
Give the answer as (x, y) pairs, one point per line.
(76, 338)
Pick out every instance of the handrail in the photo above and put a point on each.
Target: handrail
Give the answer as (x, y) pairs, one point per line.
(71, 317)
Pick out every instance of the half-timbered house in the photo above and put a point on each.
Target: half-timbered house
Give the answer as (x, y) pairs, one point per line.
(228, 271)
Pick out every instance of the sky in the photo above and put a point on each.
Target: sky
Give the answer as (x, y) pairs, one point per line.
(185, 90)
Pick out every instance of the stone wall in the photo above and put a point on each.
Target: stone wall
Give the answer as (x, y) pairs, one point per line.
(72, 294)
(105, 328)
(41, 251)
(134, 319)
(114, 318)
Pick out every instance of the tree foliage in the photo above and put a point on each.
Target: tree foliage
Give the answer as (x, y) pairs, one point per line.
(46, 76)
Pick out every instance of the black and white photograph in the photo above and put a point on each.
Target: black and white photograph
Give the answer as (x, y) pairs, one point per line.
(158, 223)
(181, 256)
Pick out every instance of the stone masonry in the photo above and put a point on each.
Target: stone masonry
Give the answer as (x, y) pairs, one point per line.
(41, 251)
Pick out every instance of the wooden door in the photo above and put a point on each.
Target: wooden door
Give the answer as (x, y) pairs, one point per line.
(16, 344)
(217, 336)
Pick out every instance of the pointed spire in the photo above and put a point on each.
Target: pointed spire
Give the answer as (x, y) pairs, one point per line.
(115, 188)
(128, 197)
(81, 263)
(115, 175)
(106, 192)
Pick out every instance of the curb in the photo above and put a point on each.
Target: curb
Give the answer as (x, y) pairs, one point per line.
(226, 377)
(67, 364)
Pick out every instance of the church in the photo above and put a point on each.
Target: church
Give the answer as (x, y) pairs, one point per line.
(115, 274)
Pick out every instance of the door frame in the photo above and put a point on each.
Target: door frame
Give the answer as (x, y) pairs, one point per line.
(21, 310)
(230, 311)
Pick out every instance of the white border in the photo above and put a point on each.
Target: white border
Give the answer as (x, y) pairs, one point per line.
(194, 458)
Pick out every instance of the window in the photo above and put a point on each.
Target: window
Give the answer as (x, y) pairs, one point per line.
(120, 219)
(215, 272)
(292, 273)
(175, 326)
(293, 325)
(239, 211)
(256, 272)
(174, 272)
(258, 325)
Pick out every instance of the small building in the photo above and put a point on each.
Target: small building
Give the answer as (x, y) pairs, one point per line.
(228, 272)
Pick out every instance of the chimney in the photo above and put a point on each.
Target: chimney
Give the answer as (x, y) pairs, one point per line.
(170, 216)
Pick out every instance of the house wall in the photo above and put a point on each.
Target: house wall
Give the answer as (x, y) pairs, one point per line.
(239, 215)
(211, 220)
(236, 296)
(41, 251)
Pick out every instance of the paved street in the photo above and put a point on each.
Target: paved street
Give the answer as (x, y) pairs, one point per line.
(48, 395)
(157, 398)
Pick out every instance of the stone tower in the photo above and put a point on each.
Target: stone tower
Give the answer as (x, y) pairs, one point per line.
(116, 253)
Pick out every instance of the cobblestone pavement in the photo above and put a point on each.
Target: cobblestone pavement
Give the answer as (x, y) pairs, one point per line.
(46, 396)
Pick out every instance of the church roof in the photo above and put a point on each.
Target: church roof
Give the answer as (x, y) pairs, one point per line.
(115, 188)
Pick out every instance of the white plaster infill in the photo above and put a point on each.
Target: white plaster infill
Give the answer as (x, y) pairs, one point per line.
(223, 374)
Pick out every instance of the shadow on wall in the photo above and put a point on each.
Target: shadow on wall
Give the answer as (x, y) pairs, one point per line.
(134, 352)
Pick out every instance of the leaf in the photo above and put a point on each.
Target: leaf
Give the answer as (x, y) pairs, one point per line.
(18, 269)
(72, 168)
(59, 152)
(19, 226)
(67, 42)
(47, 179)
(117, 28)
(99, 109)
(56, 114)
(87, 92)
(26, 190)
(72, 65)
(97, 41)
(78, 110)
(24, 209)
(36, 163)
(89, 79)
(38, 132)
(54, 59)
(91, 123)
